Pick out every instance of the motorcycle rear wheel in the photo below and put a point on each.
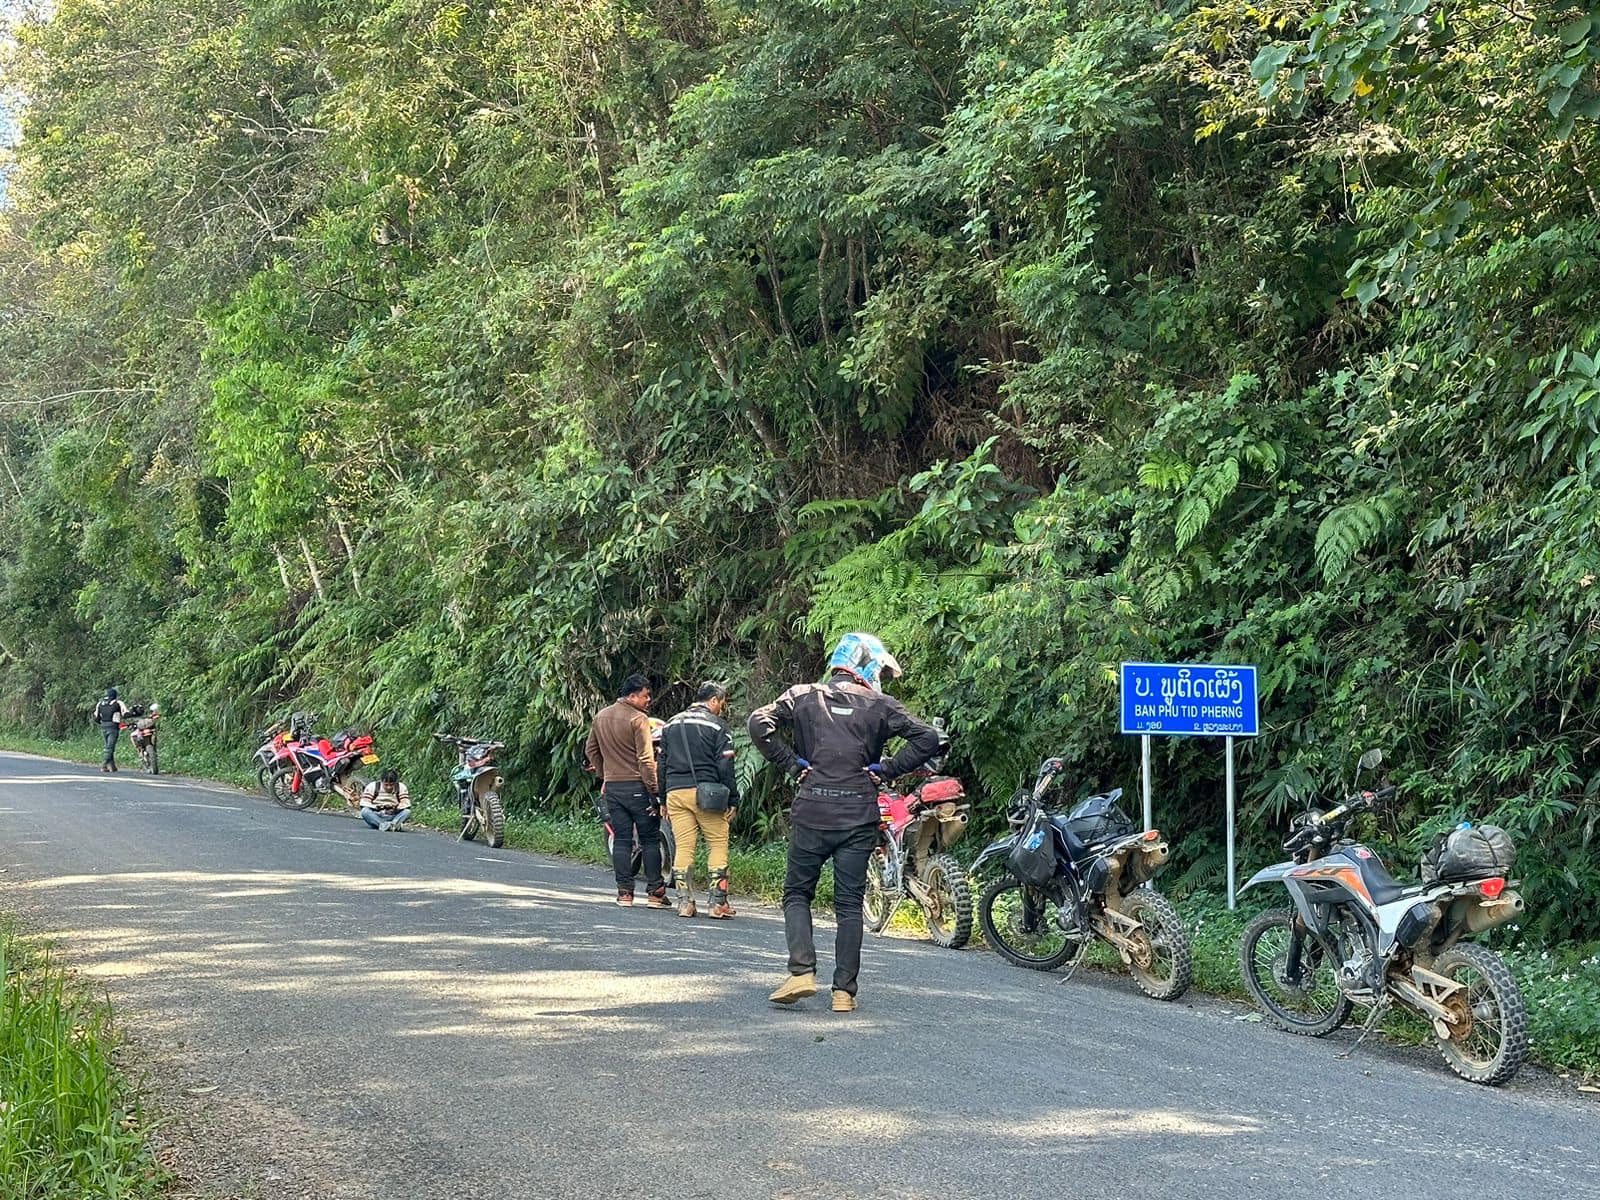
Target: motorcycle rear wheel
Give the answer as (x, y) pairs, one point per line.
(950, 924)
(1020, 923)
(880, 901)
(1492, 1047)
(1171, 961)
(490, 819)
(1312, 1008)
(281, 788)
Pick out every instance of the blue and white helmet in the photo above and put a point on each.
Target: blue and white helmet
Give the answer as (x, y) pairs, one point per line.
(865, 657)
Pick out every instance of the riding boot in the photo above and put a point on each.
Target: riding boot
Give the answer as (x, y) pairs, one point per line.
(720, 908)
(683, 884)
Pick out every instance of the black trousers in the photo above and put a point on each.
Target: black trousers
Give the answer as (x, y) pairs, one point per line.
(112, 732)
(630, 807)
(808, 850)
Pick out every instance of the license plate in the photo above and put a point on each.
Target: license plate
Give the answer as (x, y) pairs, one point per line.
(369, 758)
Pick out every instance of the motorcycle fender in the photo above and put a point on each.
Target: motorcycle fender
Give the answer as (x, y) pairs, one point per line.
(1272, 874)
(994, 850)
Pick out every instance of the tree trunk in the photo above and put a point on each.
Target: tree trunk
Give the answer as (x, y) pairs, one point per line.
(311, 565)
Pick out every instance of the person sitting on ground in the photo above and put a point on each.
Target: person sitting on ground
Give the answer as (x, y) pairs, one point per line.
(386, 804)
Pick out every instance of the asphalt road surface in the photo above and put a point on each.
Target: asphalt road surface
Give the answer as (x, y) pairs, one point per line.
(403, 1016)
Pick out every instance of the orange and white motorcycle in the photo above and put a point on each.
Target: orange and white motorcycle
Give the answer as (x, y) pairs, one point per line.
(1354, 935)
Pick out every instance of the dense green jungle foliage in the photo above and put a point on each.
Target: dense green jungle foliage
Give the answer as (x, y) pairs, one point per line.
(435, 364)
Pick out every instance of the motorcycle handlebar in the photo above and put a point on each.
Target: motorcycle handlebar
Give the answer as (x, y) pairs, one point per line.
(1327, 824)
(454, 740)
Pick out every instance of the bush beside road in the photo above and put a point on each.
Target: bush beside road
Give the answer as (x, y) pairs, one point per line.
(70, 1123)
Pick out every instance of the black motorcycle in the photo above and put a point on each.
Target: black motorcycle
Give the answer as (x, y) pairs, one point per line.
(1074, 878)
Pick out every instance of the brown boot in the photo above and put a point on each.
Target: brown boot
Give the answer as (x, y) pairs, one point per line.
(795, 987)
(683, 883)
(657, 899)
(720, 908)
(843, 1001)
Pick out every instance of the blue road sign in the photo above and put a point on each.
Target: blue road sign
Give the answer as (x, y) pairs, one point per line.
(1193, 700)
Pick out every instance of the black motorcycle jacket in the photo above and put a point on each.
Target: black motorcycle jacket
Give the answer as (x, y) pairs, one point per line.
(840, 728)
(696, 747)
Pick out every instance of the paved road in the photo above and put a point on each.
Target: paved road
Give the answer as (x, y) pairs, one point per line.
(402, 1016)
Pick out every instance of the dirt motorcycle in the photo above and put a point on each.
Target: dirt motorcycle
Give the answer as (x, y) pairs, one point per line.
(1074, 878)
(918, 828)
(478, 781)
(1356, 936)
(323, 766)
(141, 727)
(272, 753)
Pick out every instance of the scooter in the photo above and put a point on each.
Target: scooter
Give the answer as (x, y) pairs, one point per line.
(478, 781)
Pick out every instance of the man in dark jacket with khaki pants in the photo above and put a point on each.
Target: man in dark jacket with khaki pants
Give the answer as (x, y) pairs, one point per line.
(702, 794)
(837, 730)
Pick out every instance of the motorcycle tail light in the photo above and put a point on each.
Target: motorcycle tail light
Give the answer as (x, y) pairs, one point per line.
(1152, 835)
(1493, 887)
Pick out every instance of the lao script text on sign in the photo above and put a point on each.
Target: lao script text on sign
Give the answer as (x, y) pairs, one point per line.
(1197, 700)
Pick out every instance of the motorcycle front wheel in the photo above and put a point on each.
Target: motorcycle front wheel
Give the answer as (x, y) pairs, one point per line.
(1164, 965)
(1020, 922)
(1490, 1041)
(949, 914)
(490, 818)
(282, 790)
(882, 896)
(1310, 1003)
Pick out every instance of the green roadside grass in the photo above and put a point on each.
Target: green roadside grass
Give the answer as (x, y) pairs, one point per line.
(70, 1123)
(1561, 983)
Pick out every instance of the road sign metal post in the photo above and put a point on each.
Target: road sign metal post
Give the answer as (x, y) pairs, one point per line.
(1149, 802)
(1191, 700)
(1228, 743)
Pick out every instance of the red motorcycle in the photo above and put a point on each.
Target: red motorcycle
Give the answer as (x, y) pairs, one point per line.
(273, 754)
(141, 726)
(912, 859)
(320, 766)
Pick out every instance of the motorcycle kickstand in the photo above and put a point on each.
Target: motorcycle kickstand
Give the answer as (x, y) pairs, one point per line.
(1379, 1010)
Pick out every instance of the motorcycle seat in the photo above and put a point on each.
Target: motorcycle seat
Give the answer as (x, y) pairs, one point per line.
(1381, 886)
(1077, 848)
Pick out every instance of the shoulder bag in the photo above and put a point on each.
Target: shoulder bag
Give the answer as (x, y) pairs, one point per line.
(708, 797)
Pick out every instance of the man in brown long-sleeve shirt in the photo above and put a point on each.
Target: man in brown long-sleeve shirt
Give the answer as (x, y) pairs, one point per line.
(620, 751)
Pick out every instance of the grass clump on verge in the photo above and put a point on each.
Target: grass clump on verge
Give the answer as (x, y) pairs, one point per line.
(70, 1126)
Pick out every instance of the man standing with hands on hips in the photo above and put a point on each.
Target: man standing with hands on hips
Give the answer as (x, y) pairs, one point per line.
(620, 750)
(837, 730)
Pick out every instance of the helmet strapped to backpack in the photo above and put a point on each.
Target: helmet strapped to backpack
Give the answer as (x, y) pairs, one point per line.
(865, 657)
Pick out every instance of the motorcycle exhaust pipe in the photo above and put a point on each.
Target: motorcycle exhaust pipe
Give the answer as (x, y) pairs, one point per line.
(1487, 914)
(1147, 861)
